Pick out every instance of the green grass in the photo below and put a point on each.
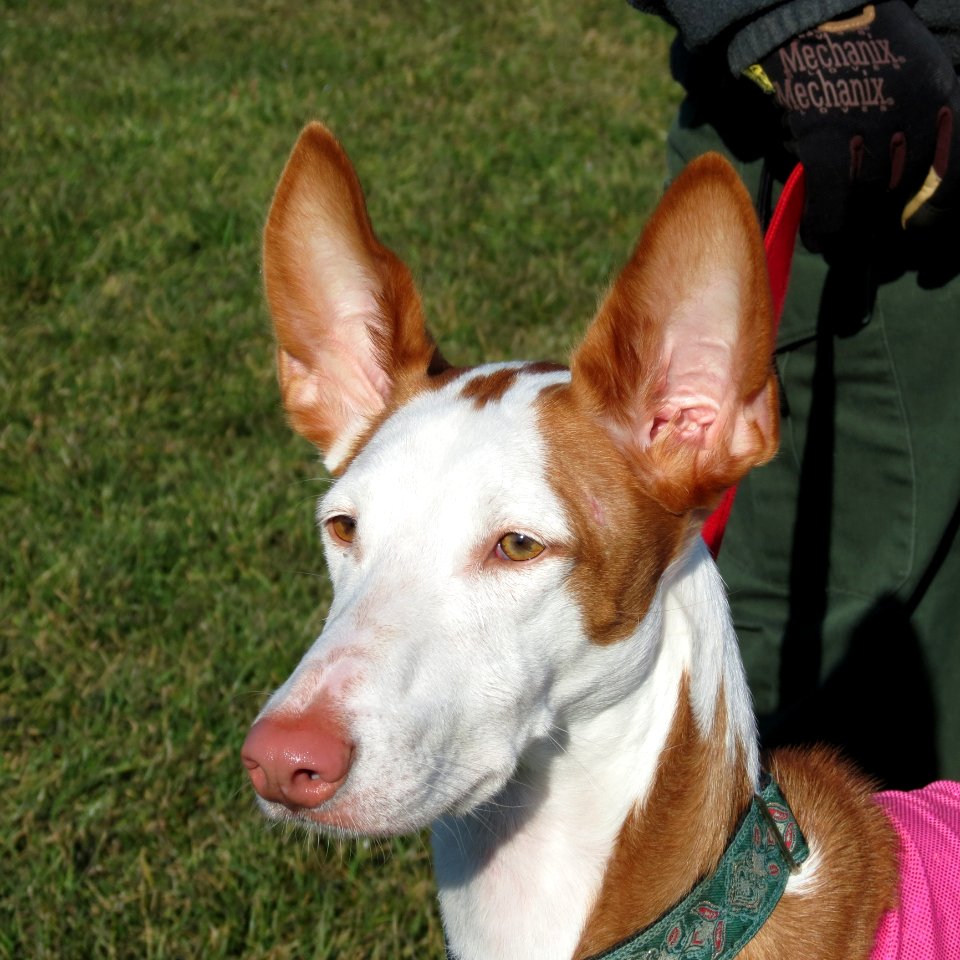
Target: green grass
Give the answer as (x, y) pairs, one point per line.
(159, 569)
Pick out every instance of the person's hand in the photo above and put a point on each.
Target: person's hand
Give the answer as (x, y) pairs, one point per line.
(871, 103)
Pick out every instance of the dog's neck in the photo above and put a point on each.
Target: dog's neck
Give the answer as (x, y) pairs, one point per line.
(649, 785)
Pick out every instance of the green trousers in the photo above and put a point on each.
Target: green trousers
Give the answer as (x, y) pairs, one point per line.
(842, 557)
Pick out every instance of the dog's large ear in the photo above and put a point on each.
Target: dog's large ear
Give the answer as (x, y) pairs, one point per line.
(346, 314)
(677, 363)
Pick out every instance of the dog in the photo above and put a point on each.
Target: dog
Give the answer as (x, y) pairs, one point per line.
(529, 647)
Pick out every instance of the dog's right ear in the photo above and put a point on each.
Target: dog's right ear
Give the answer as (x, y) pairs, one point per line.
(346, 314)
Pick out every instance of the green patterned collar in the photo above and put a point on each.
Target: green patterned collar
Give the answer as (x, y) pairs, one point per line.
(724, 911)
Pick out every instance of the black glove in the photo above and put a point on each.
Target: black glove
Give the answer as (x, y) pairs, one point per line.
(872, 105)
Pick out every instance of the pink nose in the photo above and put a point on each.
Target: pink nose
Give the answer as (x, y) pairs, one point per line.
(298, 761)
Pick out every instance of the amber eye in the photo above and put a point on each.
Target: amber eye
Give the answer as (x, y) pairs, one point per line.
(343, 528)
(518, 546)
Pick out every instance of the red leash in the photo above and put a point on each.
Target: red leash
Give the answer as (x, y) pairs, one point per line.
(778, 244)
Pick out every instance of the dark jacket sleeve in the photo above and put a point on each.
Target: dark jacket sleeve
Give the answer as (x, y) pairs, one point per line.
(749, 29)
(942, 19)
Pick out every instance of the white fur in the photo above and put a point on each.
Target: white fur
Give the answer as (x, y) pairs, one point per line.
(474, 696)
(807, 878)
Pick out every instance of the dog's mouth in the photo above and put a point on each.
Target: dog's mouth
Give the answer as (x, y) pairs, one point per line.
(331, 817)
(355, 814)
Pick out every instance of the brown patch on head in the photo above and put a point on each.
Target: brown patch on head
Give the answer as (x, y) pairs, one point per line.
(483, 389)
(679, 834)
(623, 539)
(491, 387)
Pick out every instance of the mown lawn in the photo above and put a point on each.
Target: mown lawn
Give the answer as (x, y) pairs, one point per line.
(160, 573)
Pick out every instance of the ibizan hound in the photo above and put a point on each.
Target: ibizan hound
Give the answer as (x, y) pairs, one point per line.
(529, 647)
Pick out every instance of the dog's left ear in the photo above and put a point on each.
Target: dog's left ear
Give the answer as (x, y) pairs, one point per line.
(347, 316)
(677, 364)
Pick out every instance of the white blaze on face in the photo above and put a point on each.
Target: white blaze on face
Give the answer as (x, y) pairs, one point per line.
(439, 653)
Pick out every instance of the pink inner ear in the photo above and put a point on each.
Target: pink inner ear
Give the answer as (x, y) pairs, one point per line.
(698, 360)
(337, 376)
(689, 424)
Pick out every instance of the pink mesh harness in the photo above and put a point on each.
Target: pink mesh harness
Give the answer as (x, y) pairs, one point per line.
(926, 923)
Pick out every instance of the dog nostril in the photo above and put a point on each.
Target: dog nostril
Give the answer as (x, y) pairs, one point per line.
(298, 761)
(309, 774)
(308, 788)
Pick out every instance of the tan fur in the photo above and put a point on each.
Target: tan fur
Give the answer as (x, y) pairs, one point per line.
(492, 387)
(666, 847)
(614, 520)
(856, 877)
